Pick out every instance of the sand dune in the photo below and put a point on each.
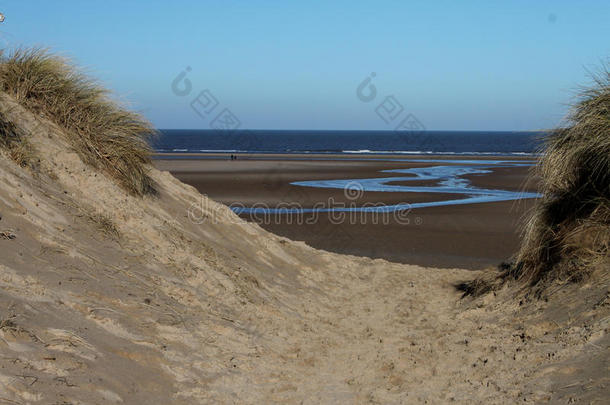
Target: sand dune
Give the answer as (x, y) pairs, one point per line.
(111, 298)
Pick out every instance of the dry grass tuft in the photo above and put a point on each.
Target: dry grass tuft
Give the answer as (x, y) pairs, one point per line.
(8, 324)
(13, 141)
(7, 234)
(105, 225)
(103, 133)
(568, 235)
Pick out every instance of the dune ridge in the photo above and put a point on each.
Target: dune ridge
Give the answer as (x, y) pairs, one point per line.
(112, 297)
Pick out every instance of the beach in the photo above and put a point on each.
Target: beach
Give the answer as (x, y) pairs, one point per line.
(470, 236)
(112, 297)
(304, 203)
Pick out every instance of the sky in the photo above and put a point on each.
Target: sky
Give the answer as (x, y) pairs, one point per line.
(467, 65)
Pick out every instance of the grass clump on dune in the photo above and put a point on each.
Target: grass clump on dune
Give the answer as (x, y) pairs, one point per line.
(13, 141)
(568, 235)
(103, 133)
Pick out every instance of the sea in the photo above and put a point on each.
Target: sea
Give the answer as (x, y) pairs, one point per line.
(499, 143)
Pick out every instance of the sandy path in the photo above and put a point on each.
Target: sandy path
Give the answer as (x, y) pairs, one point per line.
(407, 338)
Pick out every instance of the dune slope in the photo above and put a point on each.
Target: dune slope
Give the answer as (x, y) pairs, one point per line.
(107, 297)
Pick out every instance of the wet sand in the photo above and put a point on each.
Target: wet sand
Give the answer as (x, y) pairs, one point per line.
(471, 236)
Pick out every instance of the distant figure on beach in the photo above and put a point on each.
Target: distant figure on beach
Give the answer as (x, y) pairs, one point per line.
(1, 17)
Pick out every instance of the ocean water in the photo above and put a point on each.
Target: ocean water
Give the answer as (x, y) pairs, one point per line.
(349, 142)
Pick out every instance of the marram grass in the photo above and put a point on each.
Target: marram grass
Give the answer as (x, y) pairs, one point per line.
(103, 133)
(568, 234)
(15, 144)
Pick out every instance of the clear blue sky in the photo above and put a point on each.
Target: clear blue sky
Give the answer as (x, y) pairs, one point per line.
(483, 65)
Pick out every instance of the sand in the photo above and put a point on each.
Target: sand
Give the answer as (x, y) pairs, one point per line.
(168, 310)
(474, 236)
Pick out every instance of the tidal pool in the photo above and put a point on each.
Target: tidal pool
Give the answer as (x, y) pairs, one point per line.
(449, 180)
